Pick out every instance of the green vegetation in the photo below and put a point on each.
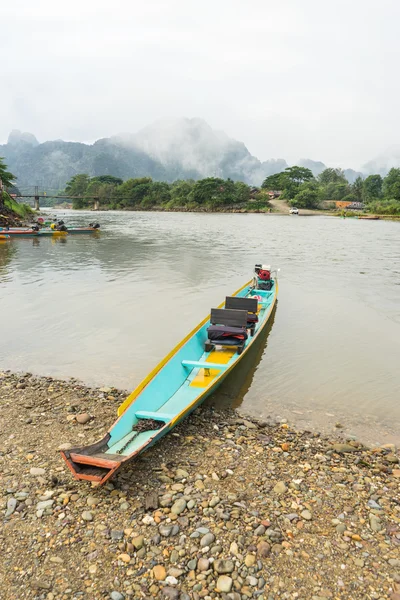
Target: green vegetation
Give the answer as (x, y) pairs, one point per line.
(10, 209)
(303, 190)
(6, 177)
(22, 210)
(210, 194)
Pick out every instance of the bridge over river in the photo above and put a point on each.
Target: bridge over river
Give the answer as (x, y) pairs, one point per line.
(36, 199)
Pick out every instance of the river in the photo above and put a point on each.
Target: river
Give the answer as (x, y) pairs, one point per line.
(106, 309)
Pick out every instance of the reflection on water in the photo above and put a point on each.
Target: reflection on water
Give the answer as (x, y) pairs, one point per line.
(107, 308)
(235, 387)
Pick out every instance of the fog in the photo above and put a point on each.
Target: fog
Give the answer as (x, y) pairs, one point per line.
(290, 79)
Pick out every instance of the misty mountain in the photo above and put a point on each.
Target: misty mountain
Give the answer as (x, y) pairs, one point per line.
(384, 162)
(316, 166)
(167, 150)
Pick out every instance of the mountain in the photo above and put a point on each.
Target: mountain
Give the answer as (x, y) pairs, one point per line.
(167, 150)
(316, 166)
(383, 162)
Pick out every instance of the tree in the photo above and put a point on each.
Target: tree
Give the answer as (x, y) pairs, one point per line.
(357, 188)
(108, 179)
(181, 192)
(6, 177)
(241, 192)
(292, 178)
(133, 191)
(77, 185)
(273, 182)
(209, 191)
(391, 184)
(332, 176)
(307, 195)
(372, 189)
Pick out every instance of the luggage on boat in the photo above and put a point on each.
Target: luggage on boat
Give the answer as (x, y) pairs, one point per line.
(223, 333)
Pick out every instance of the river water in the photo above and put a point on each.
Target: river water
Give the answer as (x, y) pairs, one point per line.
(107, 308)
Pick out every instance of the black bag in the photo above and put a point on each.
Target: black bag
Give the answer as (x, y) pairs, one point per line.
(223, 333)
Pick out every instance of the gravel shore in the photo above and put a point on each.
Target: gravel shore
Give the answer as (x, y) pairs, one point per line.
(223, 508)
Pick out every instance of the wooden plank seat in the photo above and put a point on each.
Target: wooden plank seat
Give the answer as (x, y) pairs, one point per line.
(157, 416)
(248, 304)
(202, 364)
(228, 328)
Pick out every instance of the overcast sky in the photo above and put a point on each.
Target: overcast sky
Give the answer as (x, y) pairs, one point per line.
(290, 78)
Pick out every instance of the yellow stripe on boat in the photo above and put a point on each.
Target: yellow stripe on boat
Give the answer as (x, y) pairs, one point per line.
(122, 407)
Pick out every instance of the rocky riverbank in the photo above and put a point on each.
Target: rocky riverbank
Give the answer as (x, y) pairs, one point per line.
(223, 508)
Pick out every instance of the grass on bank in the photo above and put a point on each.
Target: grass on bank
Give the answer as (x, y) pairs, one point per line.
(21, 210)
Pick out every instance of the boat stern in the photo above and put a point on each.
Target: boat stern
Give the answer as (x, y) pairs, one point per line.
(91, 463)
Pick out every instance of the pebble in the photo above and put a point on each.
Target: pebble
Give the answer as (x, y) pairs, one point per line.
(223, 566)
(375, 522)
(179, 506)
(138, 541)
(165, 530)
(306, 514)
(260, 530)
(87, 515)
(159, 572)
(203, 564)
(207, 539)
(181, 474)
(44, 504)
(224, 584)
(124, 557)
(280, 488)
(343, 448)
(83, 418)
(117, 596)
(11, 506)
(170, 593)
(37, 471)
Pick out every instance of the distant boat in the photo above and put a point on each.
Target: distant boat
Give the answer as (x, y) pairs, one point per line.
(90, 229)
(369, 217)
(181, 381)
(19, 232)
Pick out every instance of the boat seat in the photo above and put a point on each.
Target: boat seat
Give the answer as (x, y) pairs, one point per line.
(157, 416)
(248, 304)
(228, 328)
(199, 364)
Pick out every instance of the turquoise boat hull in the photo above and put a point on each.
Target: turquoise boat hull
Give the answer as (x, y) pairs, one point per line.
(179, 383)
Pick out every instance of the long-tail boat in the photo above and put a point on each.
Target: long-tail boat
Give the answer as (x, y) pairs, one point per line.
(182, 380)
(19, 232)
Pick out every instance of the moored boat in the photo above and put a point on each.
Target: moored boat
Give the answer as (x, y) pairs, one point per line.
(89, 229)
(369, 217)
(181, 381)
(4, 237)
(19, 232)
(52, 232)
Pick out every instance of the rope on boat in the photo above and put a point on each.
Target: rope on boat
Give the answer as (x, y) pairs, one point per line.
(141, 426)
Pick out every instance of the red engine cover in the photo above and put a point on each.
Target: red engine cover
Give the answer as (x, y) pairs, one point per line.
(264, 275)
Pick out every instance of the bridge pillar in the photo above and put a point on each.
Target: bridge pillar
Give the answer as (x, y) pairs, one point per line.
(37, 207)
(96, 204)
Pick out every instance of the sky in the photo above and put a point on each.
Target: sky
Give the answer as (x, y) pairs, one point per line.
(291, 79)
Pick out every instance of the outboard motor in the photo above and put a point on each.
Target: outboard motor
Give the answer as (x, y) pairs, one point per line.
(94, 225)
(262, 279)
